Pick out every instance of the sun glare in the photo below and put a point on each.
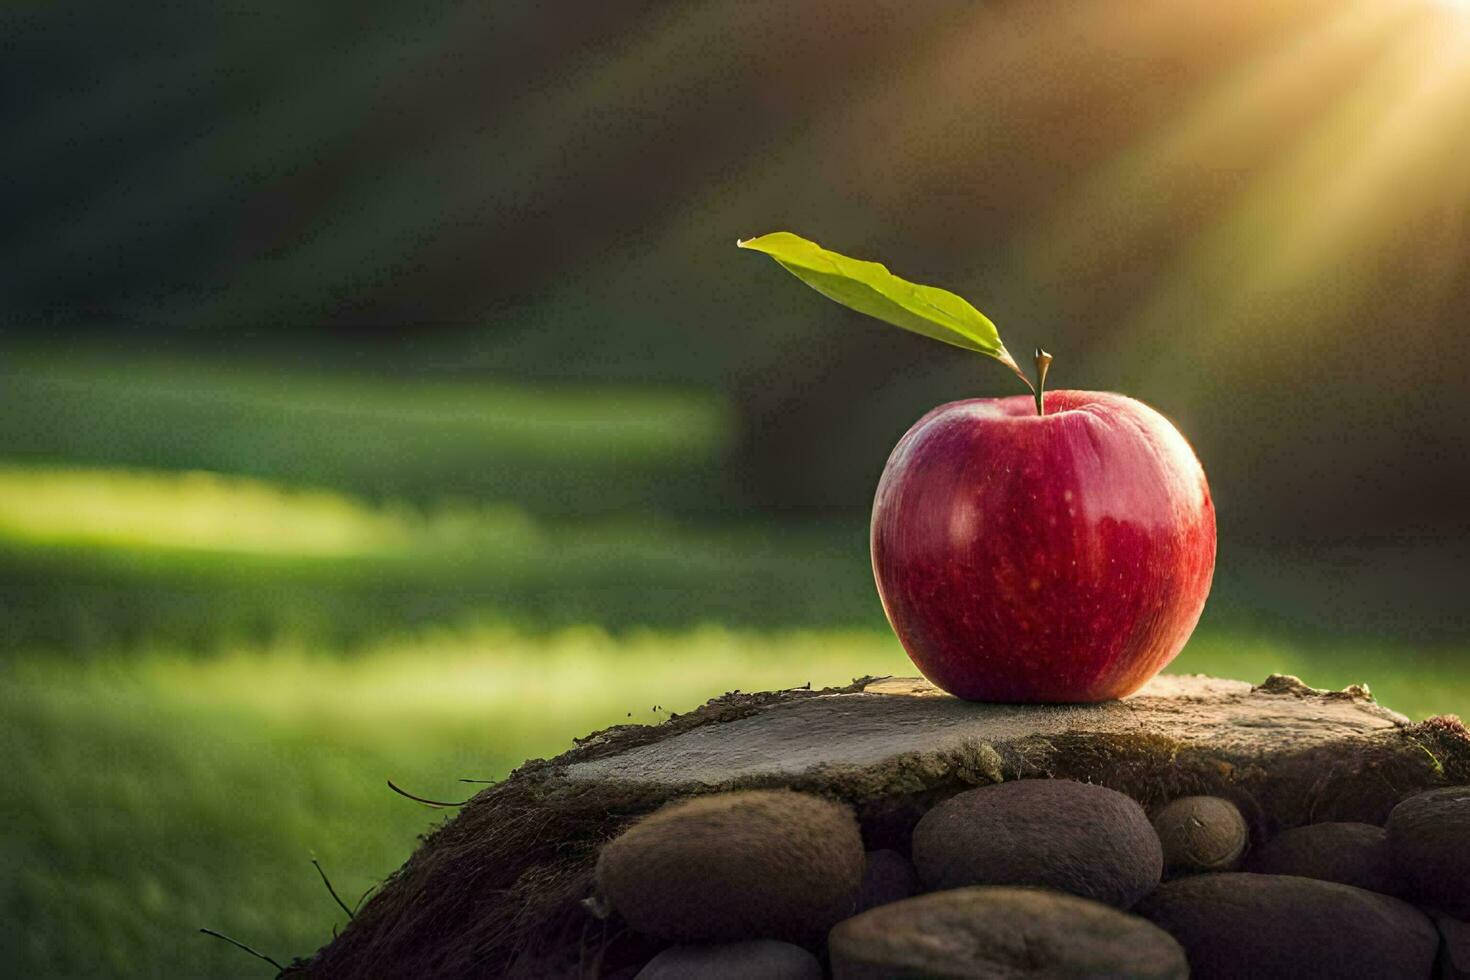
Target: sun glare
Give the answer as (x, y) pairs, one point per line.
(1453, 14)
(1336, 138)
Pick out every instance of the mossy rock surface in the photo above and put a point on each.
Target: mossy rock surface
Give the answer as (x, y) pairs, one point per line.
(499, 889)
(1429, 840)
(1057, 834)
(1001, 932)
(757, 864)
(1201, 833)
(1354, 854)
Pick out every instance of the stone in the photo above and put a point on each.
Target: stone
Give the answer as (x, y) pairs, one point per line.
(1201, 833)
(901, 718)
(501, 885)
(1454, 948)
(1245, 926)
(1349, 853)
(1429, 838)
(888, 877)
(756, 864)
(1049, 833)
(767, 959)
(993, 931)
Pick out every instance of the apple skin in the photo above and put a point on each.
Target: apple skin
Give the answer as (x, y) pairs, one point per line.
(1055, 558)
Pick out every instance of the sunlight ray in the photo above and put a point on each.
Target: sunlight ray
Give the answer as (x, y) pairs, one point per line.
(1405, 147)
(1211, 144)
(1310, 209)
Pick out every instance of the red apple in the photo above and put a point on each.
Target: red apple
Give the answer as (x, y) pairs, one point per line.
(1060, 557)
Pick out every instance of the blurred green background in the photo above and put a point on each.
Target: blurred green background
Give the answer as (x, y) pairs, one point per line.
(382, 396)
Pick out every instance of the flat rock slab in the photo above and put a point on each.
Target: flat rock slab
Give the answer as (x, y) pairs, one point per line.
(909, 720)
(499, 889)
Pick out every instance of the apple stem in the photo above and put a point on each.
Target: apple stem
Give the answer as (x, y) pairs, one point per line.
(1005, 358)
(1043, 361)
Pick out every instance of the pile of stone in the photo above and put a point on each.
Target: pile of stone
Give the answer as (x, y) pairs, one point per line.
(1040, 878)
(774, 833)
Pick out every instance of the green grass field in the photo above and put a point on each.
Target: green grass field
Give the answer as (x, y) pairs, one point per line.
(156, 793)
(208, 678)
(552, 450)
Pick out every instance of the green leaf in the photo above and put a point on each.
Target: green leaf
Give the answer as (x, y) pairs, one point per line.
(870, 288)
